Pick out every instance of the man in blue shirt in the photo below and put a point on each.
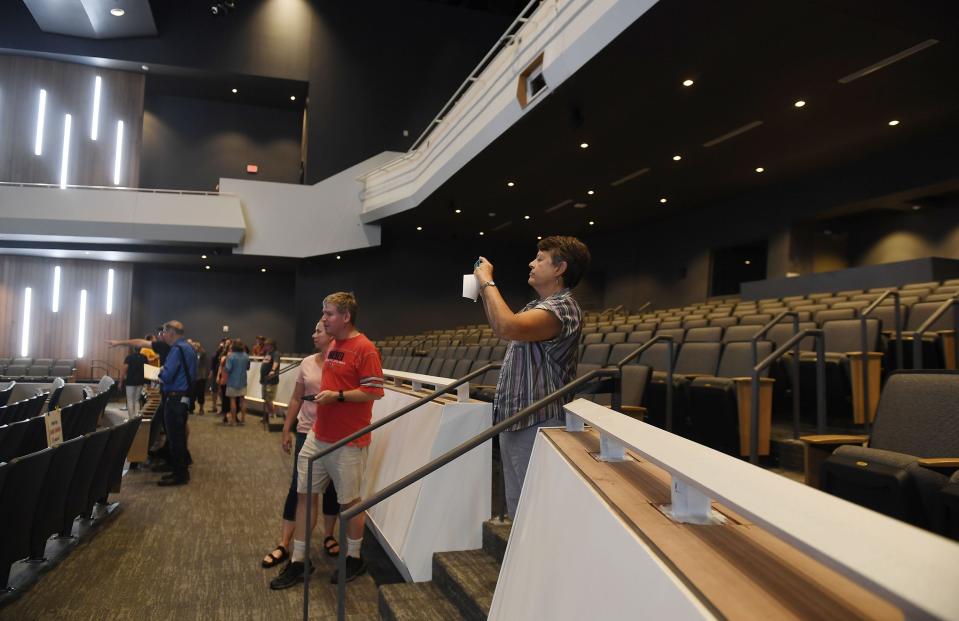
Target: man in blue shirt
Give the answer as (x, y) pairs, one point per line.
(177, 375)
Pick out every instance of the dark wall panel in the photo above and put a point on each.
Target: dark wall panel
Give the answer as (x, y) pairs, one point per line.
(205, 302)
(188, 144)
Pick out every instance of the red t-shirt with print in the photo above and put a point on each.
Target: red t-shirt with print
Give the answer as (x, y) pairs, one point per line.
(350, 364)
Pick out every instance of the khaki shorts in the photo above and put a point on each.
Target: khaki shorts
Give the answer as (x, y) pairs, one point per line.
(344, 466)
(235, 392)
(268, 391)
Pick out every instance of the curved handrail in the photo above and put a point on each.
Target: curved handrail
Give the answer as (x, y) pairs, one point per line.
(419, 473)
(820, 386)
(921, 330)
(794, 378)
(359, 434)
(671, 346)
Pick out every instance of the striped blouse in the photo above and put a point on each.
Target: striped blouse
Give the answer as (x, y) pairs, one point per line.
(532, 370)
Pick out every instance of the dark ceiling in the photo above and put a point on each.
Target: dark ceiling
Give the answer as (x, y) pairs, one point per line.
(750, 61)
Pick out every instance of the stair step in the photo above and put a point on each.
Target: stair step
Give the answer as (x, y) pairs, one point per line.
(495, 537)
(468, 579)
(414, 601)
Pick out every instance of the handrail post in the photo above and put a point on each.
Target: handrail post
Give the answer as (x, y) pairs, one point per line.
(754, 420)
(669, 385)
(864, 337)
(795, 378)
(820, 384)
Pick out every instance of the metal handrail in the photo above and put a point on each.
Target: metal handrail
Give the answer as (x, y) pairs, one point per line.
(18, 184)
(864, 349)
(439, 462)
(644, 307)
(754, 342)
(671, 346)
(820, 386)
(359, 434)
(917, 335)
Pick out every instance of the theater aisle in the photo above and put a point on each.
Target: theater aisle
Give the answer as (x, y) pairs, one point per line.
(193, 552)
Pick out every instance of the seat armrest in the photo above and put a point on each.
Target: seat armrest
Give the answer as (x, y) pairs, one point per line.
(833, 439)
(635, 411)
(940, 463)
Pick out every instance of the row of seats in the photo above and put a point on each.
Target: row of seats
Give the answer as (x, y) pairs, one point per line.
(43, 489)
(29, 369)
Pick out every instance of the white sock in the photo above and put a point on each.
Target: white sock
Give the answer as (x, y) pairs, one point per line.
(353, 547)
(299, 551)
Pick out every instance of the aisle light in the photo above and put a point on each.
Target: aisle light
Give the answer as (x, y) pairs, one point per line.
(65, 157)
(81, 328)
(96, 109)
(41, 115)
(55, 306)
(25, 333)
(118, 158)
(109, 291)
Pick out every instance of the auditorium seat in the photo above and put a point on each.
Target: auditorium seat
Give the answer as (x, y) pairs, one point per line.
(597, 353)
(757, 319)
(35, 436)
(110, 467)
(724, 321)
(11, 437)
(593, 338)
(849, 292)
(462, 368)
(633, 383)
(694, 323)
(856, 305)
(18, 505)
(15, 371)
(938, 297)
(53, 496)
(670, 325)
(818, 296)
(693, 360)
(712, 334)
(932, 354)
(614, 338)
(734, 334)
(946, 507)
(824, 316)
(498, 353)
(932, 284)
(446, 369)
(639, 336)
(915, 420)
(712, 405)
(79, 488)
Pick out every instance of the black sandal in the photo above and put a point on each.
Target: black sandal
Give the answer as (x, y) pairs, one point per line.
(274, 559)
(329, 543)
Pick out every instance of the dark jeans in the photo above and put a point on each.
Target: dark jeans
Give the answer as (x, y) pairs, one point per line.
(224, 403)
(157, 424)
(199, 393)
(175, 414)
(330, 504)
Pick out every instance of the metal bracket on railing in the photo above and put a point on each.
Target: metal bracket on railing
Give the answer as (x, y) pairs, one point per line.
(921, 330)
(754, 341)
(689, 505)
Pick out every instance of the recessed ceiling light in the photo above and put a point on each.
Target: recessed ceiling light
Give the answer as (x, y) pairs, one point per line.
(590, 192)
(800, 103)
(893, 123)
(292, 97)
(760, 169)
(510, 184)
(419, 228)
(591, 223)
(688, 82)
(539, 237)
(117, 12)
(206, 267)
(262, 269)
(747, 262)
(676, 158)
(338, 257)
(234, 91)
(202, 256)
(663, 200)
(144, 68)
(584, 145)
(457, 211)
(916, 207)
(482, 233)
(525, 217)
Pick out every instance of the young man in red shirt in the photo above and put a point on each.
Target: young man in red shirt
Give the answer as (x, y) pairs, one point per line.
(352, 380)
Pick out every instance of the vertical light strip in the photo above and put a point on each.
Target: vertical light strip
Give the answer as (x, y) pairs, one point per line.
(41, 116)
(55, 307)
(109, 292)
(82, 327)
(65, 158)
(118, 158)
(96, 109)
(25, 332)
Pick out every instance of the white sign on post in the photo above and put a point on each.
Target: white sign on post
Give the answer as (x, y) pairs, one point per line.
(54, 428)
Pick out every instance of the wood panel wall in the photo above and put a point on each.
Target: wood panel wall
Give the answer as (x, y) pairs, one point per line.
(54, 335)
(70, 90)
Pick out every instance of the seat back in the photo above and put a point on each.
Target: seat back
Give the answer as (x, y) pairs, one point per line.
(736, 360)
(639, 336)
(49, 511)
(735, 334)
(620, 351)
(593, 338)
(711, 334)
(79, 488)
(462, 367)
(782, 332)
(18, 506)
(677, 334)
(756, 319)
(822, 317)
(614, 338)
(635, 379)
(656, 357)
(698, 358)
(917, 414)
(919, 313)
(724, 321)
(845, 335)
(597, 353)
(11, 436)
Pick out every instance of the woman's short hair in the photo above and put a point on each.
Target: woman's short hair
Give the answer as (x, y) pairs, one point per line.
(237, 345)
(344, 302)
(571, 250)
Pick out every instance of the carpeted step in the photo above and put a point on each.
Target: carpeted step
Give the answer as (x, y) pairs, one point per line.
(468, 579)
(414, 601)
(495, 537)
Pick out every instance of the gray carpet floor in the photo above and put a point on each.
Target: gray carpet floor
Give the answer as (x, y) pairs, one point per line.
(193, 552)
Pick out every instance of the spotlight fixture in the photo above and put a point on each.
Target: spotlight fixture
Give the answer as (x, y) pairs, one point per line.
(202, 256)
(688, 82)
(539, 237)
(663, 200)
(457, 211)
(262, 270)
(292, 97)
(800, 103)
(584, 145)
(760, 169)
(590, 192)
(338, 257)
(222, 8)
(525, 217)
(206, 267)
(893, 123)
(747, 262)
(419, 228)
(510, 184)
(482, 233)
(234, 91)
(591, 223)
(676, 158)
(117, 12)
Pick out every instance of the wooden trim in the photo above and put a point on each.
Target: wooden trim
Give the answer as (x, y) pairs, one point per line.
(817, 449)
(949, 463)
(521, 94)
(744, 400)
(833, 439)
(737, 569)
